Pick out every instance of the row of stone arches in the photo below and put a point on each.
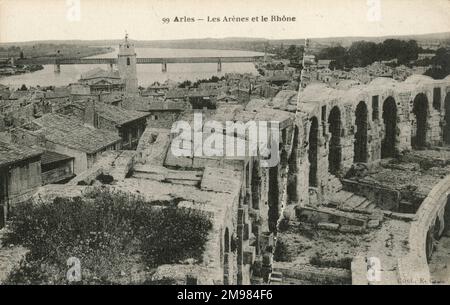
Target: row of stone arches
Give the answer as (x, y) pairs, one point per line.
(388, 142)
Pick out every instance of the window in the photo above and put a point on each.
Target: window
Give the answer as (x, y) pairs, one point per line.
(375, 108)
(437, 98)
(128, 61)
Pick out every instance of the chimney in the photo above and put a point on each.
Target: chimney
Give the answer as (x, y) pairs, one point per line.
(90, 116)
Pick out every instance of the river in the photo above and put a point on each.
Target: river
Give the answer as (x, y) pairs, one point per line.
(147, 74)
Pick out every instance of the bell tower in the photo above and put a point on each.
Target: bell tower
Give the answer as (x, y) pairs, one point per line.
(126, 63)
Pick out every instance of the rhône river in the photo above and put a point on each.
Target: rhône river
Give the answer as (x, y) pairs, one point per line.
(147, 74)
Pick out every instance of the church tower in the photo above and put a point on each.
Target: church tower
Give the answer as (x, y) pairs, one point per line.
(126, 63)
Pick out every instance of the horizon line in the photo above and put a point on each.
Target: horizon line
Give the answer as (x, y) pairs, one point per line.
(231, 37)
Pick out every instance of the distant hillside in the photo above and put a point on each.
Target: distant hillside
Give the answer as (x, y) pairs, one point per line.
(243, 43)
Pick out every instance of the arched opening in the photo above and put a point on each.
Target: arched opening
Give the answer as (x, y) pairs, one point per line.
(226, 265)
(226, 240)
(312, 151)
(334, 153)
(446, 131)
(256, 185)
(293, 170)
(388, 144)
(360, 147)
(420, 111)
(128, 61)
(447, 218)
(273, 198)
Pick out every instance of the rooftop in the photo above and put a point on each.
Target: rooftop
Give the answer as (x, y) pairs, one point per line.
(99, 73)
(115, 114)
(72, 133)
(12, 153)
(52, 157)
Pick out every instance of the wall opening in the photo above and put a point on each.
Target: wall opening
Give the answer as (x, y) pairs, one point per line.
(420, 111)
(256, 185)
(334, 153)
(447, 218)
(312, 152)
(446, 131)
(274, 198)
(360, 146)
(226, 265)
(437, 98)
(293, 170)
(375, 108)
(388, 144)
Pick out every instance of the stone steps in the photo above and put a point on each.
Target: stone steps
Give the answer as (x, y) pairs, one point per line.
(348, 201)
(276, 277)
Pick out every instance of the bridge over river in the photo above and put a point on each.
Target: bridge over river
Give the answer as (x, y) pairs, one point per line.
(158, 60)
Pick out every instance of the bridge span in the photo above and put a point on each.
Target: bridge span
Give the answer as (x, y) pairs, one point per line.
(155, 60)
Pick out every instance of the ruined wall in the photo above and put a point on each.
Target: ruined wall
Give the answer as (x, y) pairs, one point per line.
(389, 126)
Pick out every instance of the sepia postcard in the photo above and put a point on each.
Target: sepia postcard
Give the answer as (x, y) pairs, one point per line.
(208, 142)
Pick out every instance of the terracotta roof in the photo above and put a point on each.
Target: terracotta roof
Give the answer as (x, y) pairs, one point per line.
(13, 153)
(72, 133)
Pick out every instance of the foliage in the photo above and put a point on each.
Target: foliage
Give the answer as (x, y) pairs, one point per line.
(109, 232)
(440, 64)
(363, 53)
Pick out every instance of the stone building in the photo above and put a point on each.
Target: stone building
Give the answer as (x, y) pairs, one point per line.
(99, 80)
(126, 123)
(67, 136)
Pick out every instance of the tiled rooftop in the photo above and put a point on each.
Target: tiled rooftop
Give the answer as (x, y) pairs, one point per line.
(72, 133)
(12, 153)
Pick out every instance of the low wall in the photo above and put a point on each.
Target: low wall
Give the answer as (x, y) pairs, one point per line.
(413, 268)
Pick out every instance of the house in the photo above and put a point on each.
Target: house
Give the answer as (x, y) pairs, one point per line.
(67, 136)
(226, 99)
(20, 175)
(177, 94)
(323, 63)
(161, 114)
(128, 124)
(202, 99)
(100, 80)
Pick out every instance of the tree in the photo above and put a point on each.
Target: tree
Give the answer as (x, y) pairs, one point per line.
(440, 64)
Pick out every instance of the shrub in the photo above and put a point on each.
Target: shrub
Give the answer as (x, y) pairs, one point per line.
(109, 232)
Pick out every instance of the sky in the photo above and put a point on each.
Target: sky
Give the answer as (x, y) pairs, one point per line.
(26, 20)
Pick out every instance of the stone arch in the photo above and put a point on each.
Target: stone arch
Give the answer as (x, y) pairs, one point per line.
(313, 140)
(361, 121)
(446, 131)
(293, 169)
(420, 111)
(388, 144)
(334, 149)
